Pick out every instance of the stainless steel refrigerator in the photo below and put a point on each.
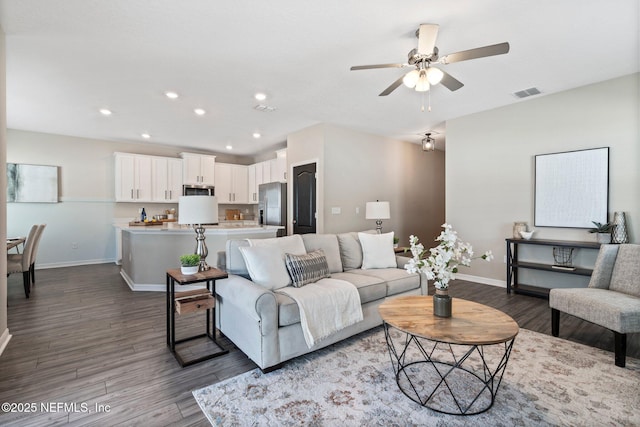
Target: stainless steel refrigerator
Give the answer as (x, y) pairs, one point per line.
(272, 205)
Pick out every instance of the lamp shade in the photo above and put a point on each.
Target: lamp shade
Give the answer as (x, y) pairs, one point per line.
(377, 210)
(198, 210)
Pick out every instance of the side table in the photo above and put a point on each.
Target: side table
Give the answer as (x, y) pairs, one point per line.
(209, 277)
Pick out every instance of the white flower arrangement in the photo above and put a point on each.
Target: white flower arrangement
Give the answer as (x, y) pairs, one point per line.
(441, 264)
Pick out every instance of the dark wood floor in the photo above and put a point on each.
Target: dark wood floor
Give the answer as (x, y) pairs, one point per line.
(84, 338)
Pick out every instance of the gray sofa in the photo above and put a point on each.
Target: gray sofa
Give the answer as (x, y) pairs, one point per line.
(265, 324)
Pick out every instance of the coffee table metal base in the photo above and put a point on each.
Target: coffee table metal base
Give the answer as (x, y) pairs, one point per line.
(453, 379)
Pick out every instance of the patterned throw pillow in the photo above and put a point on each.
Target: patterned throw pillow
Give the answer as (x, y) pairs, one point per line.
(307, 268)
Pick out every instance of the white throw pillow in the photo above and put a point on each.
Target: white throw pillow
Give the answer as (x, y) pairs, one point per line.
(377, 250)
(288, 244)
(266, 266)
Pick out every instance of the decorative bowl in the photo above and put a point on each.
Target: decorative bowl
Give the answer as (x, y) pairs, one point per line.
(526, 235)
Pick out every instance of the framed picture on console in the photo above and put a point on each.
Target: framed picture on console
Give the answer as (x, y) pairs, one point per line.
(572, 188)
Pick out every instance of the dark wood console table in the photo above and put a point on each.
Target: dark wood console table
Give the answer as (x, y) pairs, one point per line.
(513, 264)
(187, 306)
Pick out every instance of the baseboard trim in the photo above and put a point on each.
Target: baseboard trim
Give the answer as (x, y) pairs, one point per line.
(74, 263)
(4, 340)
(153, 287)
(483, 280)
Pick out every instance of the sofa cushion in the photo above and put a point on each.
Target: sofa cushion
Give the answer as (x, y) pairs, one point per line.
(397, 280)
(625, 277)
(307, 268)
(613, 310)
(329, 244)
(234, 261)
(266, 266)
(288, 244)
(369, 288)
(601, 276)
(377, 250)
(350, 251)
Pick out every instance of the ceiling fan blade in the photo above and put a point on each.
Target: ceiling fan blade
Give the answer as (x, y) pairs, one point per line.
(427, 38)
(392, 87)
(479, 52)
(370, 67)
(450, 82)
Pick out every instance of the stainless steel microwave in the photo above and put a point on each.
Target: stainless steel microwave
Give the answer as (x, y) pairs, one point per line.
(198, 190)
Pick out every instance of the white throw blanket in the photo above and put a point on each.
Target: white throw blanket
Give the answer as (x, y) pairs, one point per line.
(326, 307)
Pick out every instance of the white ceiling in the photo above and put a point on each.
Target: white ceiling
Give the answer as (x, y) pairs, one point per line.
(68, 58)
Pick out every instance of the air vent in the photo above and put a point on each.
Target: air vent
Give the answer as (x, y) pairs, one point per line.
(527, 92)
(265, 108)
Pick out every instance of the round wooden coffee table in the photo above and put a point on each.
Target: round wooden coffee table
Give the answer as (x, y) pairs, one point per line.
(451, 365)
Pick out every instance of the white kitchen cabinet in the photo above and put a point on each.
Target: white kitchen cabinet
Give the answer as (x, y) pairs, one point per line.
(132, 178)
(266, 172)
(166, 179)
(252, 184)
(198, 169)
(279, 167)
(232, 183)
(256, 178)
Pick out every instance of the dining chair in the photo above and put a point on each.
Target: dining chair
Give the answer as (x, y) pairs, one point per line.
(21, 263)
(36, 244)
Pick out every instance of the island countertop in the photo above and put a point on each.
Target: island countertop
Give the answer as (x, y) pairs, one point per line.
(147, 252)
(209, 229)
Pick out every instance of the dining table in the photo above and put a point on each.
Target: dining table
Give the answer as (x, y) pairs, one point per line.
(14, 242)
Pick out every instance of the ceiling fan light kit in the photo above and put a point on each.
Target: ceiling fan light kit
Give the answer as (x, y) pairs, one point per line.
(425, 75)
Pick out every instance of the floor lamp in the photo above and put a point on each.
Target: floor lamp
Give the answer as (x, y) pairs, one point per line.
(378, 210)
(198, 211)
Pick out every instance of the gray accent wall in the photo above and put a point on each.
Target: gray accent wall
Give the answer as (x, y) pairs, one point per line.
(356, 167)
(490, 163)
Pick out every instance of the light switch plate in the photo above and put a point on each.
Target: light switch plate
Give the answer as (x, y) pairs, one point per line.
(335, 211)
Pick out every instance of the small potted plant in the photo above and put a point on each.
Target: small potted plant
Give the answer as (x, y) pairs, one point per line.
(189, 263)
(603, 231)
(396, 240)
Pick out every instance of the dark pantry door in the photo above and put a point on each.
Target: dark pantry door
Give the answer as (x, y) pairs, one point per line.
(304, 199)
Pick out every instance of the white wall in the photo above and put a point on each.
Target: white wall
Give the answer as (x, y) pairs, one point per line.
(4, 331)
(490, 162)
(356, 167)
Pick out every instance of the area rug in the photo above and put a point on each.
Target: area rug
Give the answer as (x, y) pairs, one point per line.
(548, 381)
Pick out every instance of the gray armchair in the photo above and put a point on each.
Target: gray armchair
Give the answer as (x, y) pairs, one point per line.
(611, 300)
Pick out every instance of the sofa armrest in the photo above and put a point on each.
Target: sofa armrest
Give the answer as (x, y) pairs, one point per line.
(255, 301)
(402, 260)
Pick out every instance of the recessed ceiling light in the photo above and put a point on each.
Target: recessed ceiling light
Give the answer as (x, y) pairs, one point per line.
(229, 147)
(199, 111)
(171, 95)
(256, 135)
(145, 135)
(260, 96)
(105, 112)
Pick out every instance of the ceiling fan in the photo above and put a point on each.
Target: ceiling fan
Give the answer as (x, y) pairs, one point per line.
(425, 55)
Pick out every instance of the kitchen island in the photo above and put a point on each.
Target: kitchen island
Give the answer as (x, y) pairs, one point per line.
(149, 251)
